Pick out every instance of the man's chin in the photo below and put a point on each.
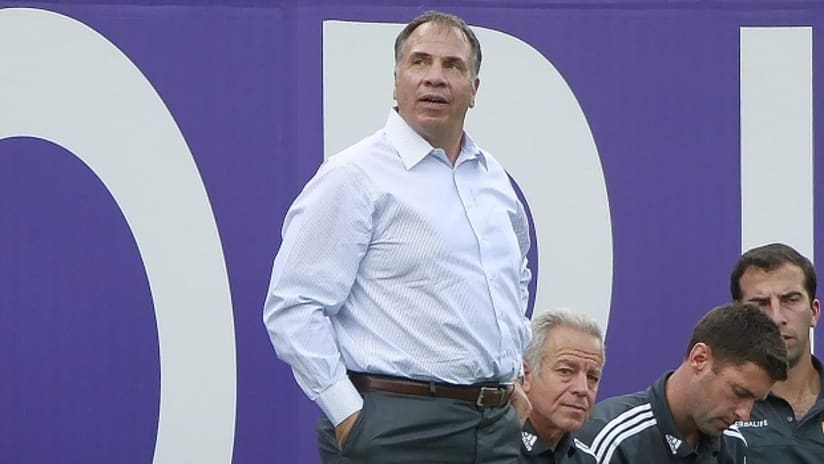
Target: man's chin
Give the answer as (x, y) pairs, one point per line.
(793, 357)
(433, 127)
(715, 429)
(433, 122)
(572, 422)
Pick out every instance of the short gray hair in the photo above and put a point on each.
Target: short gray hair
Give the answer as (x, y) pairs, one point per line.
(441, 19)
(545, 322)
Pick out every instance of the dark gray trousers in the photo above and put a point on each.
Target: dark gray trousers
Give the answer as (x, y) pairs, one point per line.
(394, 428)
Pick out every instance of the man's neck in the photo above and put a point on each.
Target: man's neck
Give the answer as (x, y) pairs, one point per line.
(548, 434)
(802, 387)
(676, 391)
(450, 141)
(452, 149)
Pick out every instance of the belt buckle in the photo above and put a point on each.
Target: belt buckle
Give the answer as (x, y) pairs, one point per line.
(481, 393)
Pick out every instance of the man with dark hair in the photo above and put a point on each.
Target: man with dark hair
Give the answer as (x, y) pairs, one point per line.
(562, 370)
(399, 291)
(735, 355)
(788, 425)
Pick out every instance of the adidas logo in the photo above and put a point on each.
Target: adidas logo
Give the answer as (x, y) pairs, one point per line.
(673, 443)
(529, 440)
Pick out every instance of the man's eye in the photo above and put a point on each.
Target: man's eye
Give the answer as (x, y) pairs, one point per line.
(741, 393)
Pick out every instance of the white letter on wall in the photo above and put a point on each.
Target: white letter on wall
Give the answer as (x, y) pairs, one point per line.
(777, 138)
(61, 81)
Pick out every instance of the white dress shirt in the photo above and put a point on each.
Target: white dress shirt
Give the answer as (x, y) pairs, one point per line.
(394, 261)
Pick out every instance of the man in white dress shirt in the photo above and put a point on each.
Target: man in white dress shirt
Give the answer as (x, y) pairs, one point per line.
(399, 290)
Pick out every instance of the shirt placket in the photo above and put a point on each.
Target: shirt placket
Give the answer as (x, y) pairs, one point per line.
(463, 179)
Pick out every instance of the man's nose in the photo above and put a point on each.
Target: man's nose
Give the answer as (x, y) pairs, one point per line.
(580, 384)
(775, 312)
(742, 412)
(434, 75)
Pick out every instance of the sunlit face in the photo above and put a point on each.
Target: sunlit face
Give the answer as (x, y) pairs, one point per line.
(721, 394)
(781, 295)
(435, 83)
(563, 390)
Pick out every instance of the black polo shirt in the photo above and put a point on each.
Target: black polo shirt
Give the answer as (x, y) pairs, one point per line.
(775, 436)
(638, 428)
(536, 451)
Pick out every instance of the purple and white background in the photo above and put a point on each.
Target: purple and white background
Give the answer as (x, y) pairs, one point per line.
(149, 150)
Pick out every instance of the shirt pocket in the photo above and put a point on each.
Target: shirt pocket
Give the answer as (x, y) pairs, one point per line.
(499, 243)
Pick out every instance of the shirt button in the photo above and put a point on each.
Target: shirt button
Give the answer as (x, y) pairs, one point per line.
(789, 418)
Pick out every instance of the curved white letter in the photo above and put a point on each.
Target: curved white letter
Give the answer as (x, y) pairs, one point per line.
(63, 82)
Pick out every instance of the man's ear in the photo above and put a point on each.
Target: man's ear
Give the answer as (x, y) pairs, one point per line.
(700, 357)
(395, 85)
(527, 377)
(475, 85)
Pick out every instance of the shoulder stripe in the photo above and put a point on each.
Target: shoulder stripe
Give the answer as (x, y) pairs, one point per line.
(731, 432)
(606, 457)
(623, 421)
(581, 446)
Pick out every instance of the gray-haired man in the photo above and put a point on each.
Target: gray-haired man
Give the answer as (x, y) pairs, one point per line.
(562, 369)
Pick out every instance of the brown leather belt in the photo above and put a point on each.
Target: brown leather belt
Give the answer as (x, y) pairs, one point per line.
(481, 395)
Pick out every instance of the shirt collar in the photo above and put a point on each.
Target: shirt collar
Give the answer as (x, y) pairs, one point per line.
(818, 368)
(532, 445)
(675, 442)
(412, 148)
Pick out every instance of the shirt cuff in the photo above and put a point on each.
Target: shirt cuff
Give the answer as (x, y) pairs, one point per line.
(340, 401)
